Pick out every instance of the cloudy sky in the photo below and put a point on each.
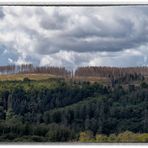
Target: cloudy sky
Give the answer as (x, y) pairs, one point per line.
(74, 36)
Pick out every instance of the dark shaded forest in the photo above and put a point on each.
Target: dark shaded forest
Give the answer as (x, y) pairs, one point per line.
(69, 110)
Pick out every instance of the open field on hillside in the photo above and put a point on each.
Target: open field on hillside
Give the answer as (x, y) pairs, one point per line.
(22, 76)
(47, 76)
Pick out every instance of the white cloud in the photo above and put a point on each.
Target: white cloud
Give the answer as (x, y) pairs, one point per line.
(75, 36)
(10, 60)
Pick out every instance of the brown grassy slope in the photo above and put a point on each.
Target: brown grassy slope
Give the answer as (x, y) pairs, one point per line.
(22, 76)
(47, 76)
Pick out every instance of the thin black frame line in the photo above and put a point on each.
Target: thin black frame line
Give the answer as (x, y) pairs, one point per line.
(70, 4)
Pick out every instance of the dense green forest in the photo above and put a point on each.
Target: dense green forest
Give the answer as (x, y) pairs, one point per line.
(59, 110)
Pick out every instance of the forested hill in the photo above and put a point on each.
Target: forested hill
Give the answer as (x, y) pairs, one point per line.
(59, 110)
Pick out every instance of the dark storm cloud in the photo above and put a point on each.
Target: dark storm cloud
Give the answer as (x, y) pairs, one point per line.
(93, 34)
(97, 28)
(53, 21)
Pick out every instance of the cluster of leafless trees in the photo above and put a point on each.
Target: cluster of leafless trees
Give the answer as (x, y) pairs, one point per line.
(59, 71)
(29, 68)
(10, 69)
(7, 69)
(92, 71)
(110, 71)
